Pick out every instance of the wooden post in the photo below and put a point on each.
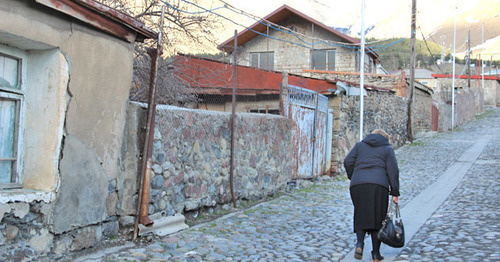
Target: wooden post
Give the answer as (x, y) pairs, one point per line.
(468, 58)
(233, 117)
(283, 92)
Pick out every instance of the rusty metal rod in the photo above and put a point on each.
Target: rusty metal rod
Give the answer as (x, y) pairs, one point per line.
(145, 154)
(233, 116)
(142, 211)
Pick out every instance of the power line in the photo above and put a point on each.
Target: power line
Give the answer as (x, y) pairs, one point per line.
(465, 66)
(277, 27)
(234, 22)
(385, 46)
(428, 49)
(289, 31)
(193, 13)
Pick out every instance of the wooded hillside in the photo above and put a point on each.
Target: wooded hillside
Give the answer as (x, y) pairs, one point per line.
(397, 56)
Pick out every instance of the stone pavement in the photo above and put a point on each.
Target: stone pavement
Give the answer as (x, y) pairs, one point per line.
(459, 171)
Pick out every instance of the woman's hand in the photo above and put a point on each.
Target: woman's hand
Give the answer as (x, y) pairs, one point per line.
(395, 199)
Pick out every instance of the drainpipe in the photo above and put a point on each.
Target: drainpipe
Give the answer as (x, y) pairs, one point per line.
(142, 213)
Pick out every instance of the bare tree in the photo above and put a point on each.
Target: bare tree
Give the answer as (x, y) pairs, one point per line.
(186, 28)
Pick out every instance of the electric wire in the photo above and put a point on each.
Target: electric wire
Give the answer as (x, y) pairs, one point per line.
(234, 22)
(261, 20)
(463, 69)
(306, 44)
(428, 49)
(290, 31)
(296, 34)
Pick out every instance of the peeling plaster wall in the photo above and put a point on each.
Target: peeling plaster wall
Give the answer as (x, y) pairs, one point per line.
(44, 121)
(78, 82)
(82, 197)
(99, 87)
(100, 83)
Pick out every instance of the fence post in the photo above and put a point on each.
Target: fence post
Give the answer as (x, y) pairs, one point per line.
(283, 93)
(233, 117)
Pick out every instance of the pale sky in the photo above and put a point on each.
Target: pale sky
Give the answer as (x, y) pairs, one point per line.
(391, 18)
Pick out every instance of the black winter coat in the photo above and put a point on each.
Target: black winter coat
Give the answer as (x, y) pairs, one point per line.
(372, 161)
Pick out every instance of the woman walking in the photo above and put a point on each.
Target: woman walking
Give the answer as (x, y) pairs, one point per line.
(373, 170)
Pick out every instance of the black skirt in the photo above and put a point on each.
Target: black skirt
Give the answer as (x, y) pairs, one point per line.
(370, 206)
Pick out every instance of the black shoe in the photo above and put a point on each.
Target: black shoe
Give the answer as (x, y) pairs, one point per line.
(376, 256)
(358, 253)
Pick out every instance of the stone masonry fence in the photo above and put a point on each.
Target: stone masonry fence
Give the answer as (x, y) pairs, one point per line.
(191, 158)
(382, 110)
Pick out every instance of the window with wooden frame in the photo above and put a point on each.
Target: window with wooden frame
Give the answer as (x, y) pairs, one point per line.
(323, 59)
(11, 108)
(263, 60)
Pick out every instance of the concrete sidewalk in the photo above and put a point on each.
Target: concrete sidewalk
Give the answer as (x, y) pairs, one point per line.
(420, 209)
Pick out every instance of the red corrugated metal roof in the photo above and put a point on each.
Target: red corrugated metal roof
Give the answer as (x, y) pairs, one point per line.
(466, 76)
(207, 76)
(102, 17)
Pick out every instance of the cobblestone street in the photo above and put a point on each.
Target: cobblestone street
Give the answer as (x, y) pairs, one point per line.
(314, 223)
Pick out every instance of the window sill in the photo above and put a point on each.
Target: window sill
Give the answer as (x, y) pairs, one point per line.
(25, 195)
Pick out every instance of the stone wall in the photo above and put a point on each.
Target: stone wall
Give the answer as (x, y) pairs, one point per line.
(422, 104)
(294, 58)
(24, 234)
(191, 158)
(391, 82)
(491, 92)
(469, 101)
(382, 110)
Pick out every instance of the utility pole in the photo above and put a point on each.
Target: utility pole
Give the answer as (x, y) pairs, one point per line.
(453, 74)
(468, 58)
(362, 71)
(412, 69)
(233, 116)
(482, 55)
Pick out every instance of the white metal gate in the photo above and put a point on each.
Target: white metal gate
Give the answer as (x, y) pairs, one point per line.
(310, 111)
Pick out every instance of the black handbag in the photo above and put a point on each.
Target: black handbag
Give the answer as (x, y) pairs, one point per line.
(392, 232)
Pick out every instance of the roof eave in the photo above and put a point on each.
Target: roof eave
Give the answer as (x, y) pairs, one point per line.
(103, 17)
(227, 45)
